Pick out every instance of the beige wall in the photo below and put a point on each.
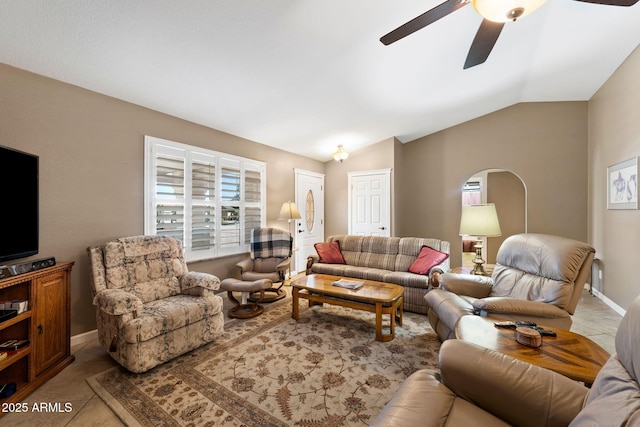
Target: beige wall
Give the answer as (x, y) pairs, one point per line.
(91, 169)
(614, 136)
(545, 144)
(374, 157)
(507, 192)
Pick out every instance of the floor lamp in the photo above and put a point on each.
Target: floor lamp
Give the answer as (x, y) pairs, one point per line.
(479, 221)
(289, 211)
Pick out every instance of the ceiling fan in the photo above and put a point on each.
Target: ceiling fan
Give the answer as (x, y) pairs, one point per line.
(495, 14)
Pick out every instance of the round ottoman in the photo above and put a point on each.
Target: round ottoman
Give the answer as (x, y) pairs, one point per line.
(244, 309)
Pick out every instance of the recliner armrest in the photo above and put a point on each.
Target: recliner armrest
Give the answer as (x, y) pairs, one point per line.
(245, 265)
(194, 279)
(520, 393)
(311, 259)
(466, 284)
(506, 305)
(284, 265)
(117, 302)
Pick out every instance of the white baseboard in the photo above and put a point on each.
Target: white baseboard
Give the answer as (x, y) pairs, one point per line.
(615, 307)
(84, 337)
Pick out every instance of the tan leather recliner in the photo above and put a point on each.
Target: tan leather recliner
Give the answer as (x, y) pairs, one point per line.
(271, 250)
(480, 387)
(538, 277)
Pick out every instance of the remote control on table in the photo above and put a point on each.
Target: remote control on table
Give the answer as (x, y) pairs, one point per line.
(525, 324)
(516, 324)
(544, 332)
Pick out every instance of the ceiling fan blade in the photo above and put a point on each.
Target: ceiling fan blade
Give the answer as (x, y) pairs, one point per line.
(429, 17)
(483, 43)
(612, 2)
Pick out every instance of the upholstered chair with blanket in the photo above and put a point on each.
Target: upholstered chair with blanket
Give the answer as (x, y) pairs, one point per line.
(538, 277)
(270, 258)
(149, 307)
(480, 387)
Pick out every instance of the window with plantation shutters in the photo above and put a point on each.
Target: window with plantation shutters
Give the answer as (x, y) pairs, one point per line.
(253, 180)
(210, 201)
(230, 196)
(203, 198)
(169, 191)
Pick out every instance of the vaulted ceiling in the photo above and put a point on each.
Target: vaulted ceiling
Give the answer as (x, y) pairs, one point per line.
(307, 75)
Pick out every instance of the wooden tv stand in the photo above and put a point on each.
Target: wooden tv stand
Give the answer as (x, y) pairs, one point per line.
(46, 324)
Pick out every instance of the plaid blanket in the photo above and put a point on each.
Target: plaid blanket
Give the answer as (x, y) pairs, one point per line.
(270, 242)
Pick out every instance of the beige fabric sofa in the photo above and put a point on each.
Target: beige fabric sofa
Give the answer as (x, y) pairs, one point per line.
(385, 259)
(480, 387)
(149, 307)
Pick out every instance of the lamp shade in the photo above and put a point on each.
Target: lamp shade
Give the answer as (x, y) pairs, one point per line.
(289, 211)
(480, 220)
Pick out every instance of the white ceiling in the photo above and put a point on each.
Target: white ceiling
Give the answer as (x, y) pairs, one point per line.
(306, 75)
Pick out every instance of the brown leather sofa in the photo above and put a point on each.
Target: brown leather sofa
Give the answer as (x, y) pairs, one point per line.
(480, 387)
(538, 277)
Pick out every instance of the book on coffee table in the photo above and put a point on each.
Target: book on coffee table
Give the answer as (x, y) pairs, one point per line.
(348, 284)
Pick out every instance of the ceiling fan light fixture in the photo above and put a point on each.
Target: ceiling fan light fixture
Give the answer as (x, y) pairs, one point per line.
(340, 155)
(504, 11)
(515, 13)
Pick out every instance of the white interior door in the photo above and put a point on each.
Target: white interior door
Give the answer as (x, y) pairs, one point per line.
(369, 203)
(310, 228)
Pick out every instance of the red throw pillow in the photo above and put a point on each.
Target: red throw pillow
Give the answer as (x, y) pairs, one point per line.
(427, 259)
(329, 252)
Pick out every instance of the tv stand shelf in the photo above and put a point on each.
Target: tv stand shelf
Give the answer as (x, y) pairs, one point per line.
(46, 324)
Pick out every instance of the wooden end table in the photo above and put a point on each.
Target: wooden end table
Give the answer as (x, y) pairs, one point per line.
(570, 354)
(375, 297)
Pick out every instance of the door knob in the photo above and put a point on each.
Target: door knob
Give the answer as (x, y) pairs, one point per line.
(382, 228)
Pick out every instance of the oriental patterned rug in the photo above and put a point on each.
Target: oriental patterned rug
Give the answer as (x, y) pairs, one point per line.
(324, 370)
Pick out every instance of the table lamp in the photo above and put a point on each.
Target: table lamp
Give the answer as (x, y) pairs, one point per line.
(479, 221)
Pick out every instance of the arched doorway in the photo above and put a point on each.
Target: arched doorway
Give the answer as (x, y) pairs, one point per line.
(509, 193)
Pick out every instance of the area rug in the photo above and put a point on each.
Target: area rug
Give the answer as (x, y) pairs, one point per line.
(324, 370)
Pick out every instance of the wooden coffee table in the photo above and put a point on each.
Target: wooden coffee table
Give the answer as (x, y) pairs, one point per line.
(375, 297)
(568, 353)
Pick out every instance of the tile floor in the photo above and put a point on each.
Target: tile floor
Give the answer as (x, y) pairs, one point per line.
(593, 318)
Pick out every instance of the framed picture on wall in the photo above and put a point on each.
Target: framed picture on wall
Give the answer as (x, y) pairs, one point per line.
(622, 185)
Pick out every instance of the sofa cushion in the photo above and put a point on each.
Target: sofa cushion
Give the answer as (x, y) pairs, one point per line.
(350, 246)
(366, 273)
(423, 400)
(378, 252)
(329, 252)
(541, 268)
(427, 259)
(147, 266)
(406, 279)
(628, 340)
(543, 255)
(519, 284)
(614, 398)
(410, 247)
(333, 269)
(159, 317)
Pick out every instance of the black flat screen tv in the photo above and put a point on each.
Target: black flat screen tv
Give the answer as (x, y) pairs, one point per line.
(18, 204)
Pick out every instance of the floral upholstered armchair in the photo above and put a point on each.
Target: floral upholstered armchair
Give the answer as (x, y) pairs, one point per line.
(149, 307)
